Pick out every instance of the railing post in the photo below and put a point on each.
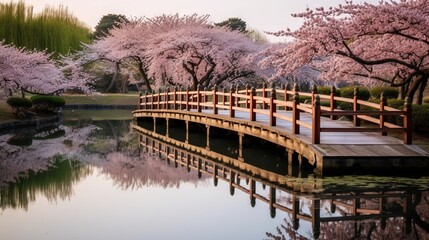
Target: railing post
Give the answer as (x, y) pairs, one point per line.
(167, 98)
(356, 107)
(264, 95)
(273, 109)
(287, 99)
(199, 98)
(224, 96)
(333, 102)
(181, 98)
(206, 97)
(382, 117)
(313, 93)
(316, 121)
(295, 113)
(248, 92)
(175, 98)
(237, 99)
(149, 94)
(146, 100)
(188, 107)
(140, 101)
(231, 102)
(159, 99)
(252, 103)
(214, 98)
(408, 122)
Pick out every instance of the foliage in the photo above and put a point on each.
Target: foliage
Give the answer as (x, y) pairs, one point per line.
(348, 92)
(235, 24)
(304, 99)
(388, 92)
(47, 103)
(326, 90)
(395, 103)
(174, 50)
(426, 100)
(108, 22)
(19, 106)
(420, 117)
(35, 72)
(386, 42)
(53, 30)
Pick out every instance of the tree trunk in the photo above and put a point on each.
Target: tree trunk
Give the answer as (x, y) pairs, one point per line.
(114, 78)
(421, 91)
(414, 86)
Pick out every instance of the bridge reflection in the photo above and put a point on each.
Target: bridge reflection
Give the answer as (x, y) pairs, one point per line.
(307, 199)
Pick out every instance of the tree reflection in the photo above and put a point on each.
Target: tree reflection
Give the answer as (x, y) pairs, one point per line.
(56, 182)
(51, 166)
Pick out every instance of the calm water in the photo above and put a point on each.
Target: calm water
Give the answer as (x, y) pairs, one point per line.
(102, 180)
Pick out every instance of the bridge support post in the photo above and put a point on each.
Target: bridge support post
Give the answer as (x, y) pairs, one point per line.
(408, 122)
(167, 126)
(252, 192)
(290, 162)
(315, 212)
(240, 146)
(272, 202)
(215, 171)
(295, 212)
(187, 132)
(231, 182)
(208, 137)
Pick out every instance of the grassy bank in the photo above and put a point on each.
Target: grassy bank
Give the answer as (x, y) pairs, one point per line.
(99, 99)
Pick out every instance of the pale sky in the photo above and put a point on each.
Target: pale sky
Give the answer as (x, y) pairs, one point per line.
(267, 15)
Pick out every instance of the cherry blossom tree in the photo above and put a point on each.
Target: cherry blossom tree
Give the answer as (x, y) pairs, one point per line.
(385, 43)
(126, 45)
(201, 55)
(35, 72)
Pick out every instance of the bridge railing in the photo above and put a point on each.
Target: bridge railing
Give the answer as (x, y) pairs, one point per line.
(285, 104)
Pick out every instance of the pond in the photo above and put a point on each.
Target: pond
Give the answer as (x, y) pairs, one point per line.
(100, 179)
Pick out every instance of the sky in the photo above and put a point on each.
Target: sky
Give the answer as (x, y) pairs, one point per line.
(267, 15)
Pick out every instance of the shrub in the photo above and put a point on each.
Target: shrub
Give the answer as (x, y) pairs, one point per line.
(388, 92)
(348, 92)
(305, 99)
(426, 100)
(47, 103)
(396, 103)
(326, 90)
(345, 106)
(19, 106)
(420, 117)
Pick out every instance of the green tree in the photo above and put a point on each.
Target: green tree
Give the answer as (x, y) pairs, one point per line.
(108, 22)
(235, 24)
(54, 29)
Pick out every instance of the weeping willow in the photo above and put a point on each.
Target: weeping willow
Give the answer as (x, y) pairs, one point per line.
(55, 30)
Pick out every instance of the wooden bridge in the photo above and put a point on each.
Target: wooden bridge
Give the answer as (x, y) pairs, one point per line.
(309, 129)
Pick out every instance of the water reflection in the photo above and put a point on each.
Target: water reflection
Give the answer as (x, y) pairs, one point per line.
(54, 158)
(352, 207)
(346, 207)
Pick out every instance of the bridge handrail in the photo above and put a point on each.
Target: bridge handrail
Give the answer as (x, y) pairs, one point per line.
(268, 101)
